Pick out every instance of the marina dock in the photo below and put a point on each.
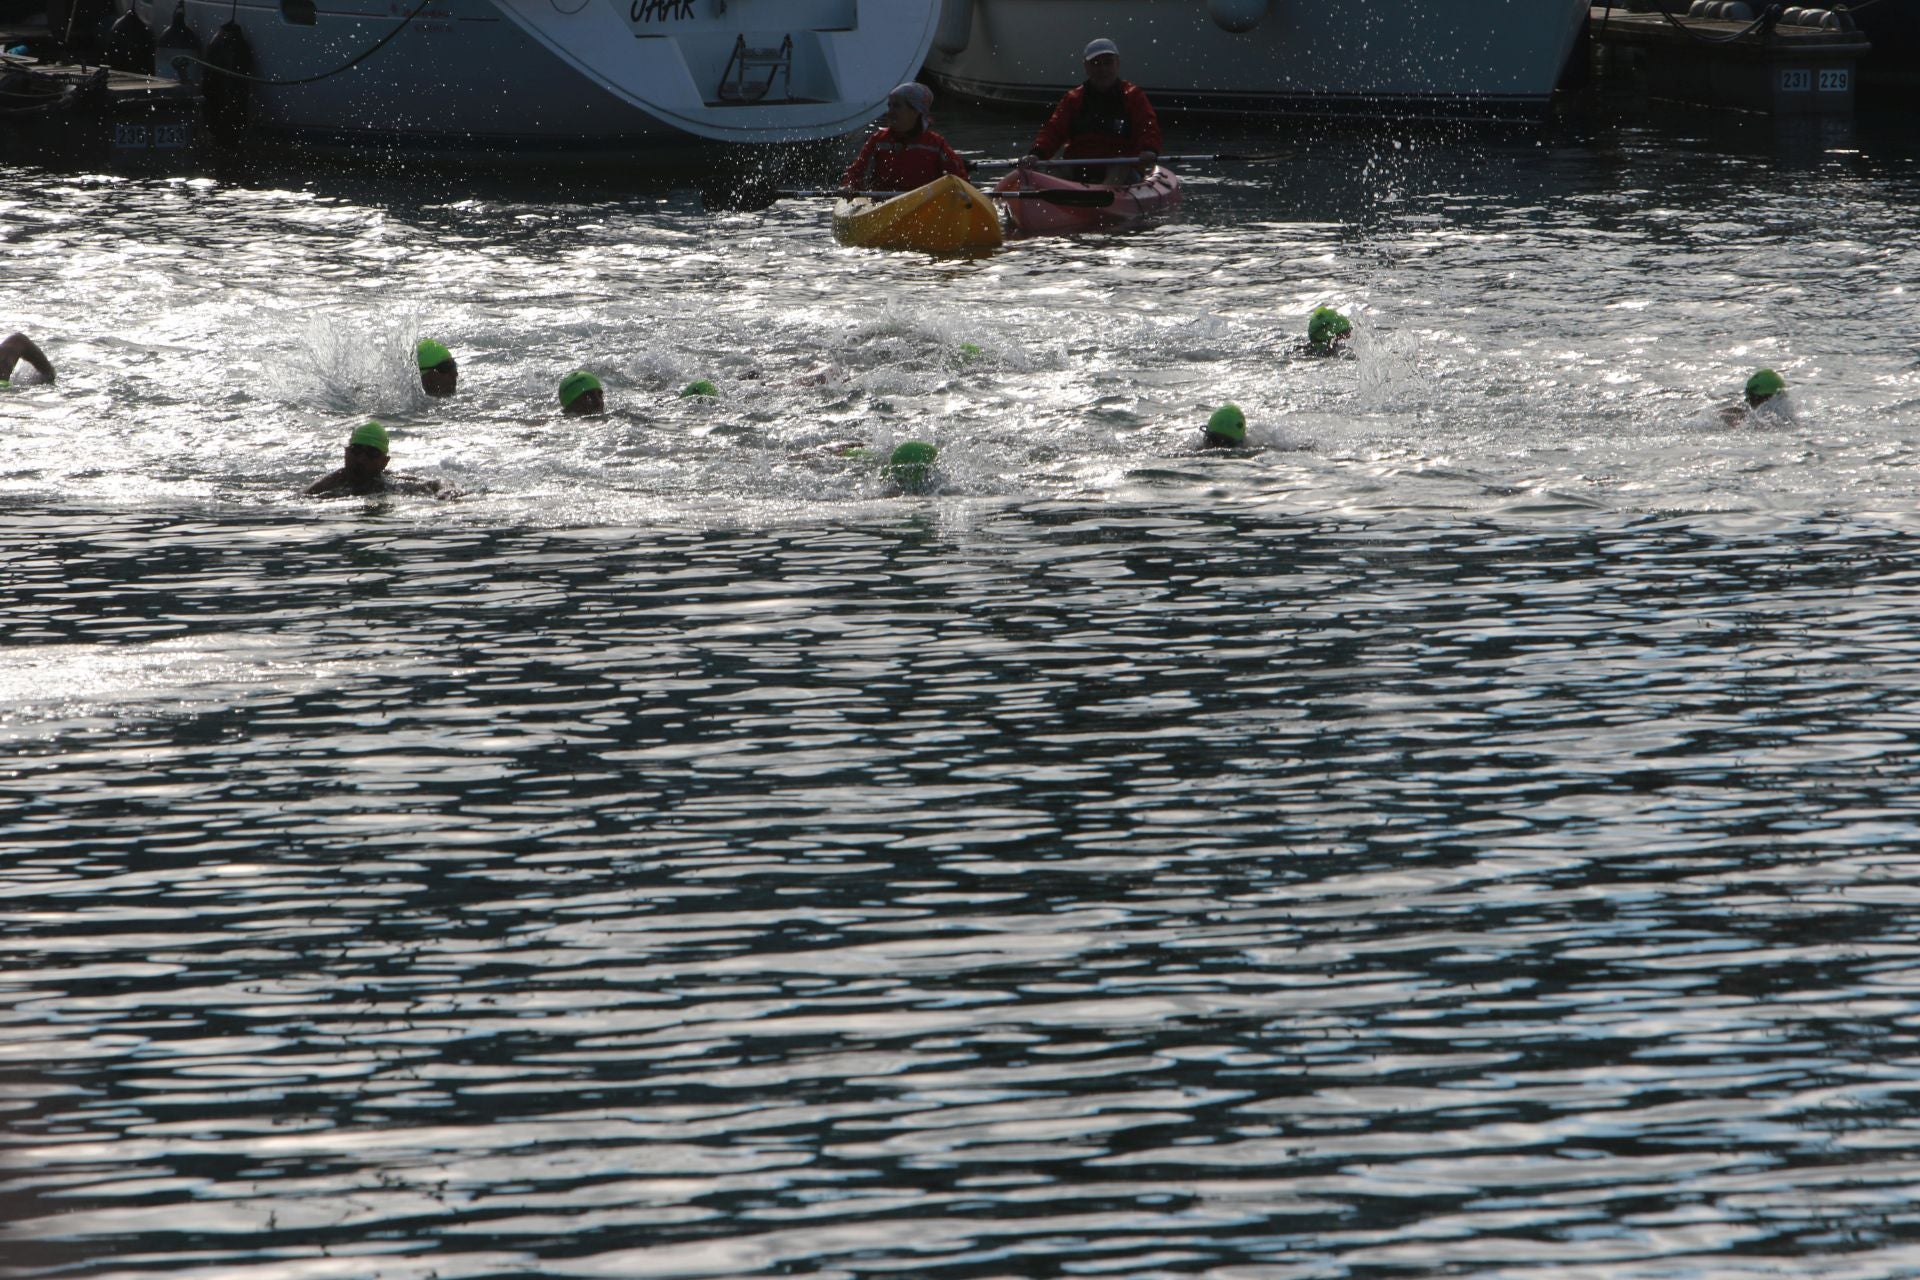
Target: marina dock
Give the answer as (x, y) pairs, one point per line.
(96, 116)
(1804, 64)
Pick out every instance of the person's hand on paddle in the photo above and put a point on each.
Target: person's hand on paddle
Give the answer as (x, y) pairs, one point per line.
(1149, 160)
(1029, 160)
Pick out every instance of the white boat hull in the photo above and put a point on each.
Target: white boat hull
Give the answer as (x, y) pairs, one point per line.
(1396, 58)
(570, 75)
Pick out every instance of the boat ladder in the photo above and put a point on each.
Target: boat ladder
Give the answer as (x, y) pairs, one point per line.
(735, 85)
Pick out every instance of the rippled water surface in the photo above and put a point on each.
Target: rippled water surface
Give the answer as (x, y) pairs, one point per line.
(1472, 832)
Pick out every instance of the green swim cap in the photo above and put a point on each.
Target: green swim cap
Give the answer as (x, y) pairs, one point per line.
(430, 353)
(1763, 384)
(370, 433)
(1228, 421)
(1326, 324)
(702, 388)
(911, 465)
(575, 385)
(5, 385)
(969, 352)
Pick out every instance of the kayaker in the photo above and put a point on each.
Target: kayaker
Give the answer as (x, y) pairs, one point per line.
(364, 471)
(580, 393)
(906, 152)
(1106, 116)
(20, 347)
(438, 369)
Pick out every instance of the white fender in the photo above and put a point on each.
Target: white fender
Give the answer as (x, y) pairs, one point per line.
(955, 31)
(1235, 15)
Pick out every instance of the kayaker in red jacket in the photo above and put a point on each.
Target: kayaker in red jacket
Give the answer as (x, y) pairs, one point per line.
(906, 153)
(1106, 116)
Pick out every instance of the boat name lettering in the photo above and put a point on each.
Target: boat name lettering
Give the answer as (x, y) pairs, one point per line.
(661, 10)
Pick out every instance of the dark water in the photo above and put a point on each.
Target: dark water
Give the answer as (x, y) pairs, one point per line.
(1472, 833)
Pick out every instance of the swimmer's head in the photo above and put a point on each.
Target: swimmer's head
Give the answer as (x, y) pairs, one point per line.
(366, 454)
(1227, 428)
(1326, 327)
(438, 370)
(581, 393)
(370, 434)
(1763, 386)
(910, 465)
(701, 389)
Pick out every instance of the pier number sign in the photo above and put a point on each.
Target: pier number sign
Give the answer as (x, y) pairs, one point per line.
(152, 137)
(1806, 80)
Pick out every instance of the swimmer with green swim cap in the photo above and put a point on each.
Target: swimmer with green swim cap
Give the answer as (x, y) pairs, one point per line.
(1326, 329)
(581, 393)
(910, 466)
(20, 347)
(364, 470)
(1226, 429)
(1763, 386)
(701, 389)
(438, 369)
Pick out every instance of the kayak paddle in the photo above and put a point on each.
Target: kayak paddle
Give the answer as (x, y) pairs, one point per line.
(754, 197)
(1074, 199)
(1068, 164)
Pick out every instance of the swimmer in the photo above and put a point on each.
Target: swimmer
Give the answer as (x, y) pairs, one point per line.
(365, 470)
(581, 393)
(909, 466)
(20, 347)
(1761, 389)
(1763, 386)
(1226, 429)
(1326, 330)
(438, 369)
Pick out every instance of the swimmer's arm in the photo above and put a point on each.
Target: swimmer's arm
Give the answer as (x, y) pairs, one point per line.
(20, 347)
(421, 484)
(327, 484)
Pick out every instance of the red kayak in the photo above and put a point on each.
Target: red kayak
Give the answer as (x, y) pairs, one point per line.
(1134, 203)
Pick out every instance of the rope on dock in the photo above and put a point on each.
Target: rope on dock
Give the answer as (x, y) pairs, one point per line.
(186, 60)
(42, 92)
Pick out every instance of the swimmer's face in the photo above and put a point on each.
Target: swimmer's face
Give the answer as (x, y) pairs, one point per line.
(440, 380)
(364, 462)
(590, 401)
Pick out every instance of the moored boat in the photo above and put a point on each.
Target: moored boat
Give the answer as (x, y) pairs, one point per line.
(520, 80)
(1376, 58)
(1154, 196)
(948, 215)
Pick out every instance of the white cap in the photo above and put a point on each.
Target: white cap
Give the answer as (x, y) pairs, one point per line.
(1097, 47)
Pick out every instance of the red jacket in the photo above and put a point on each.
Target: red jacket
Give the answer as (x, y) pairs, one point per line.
(1103, 130)
(890, 163)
